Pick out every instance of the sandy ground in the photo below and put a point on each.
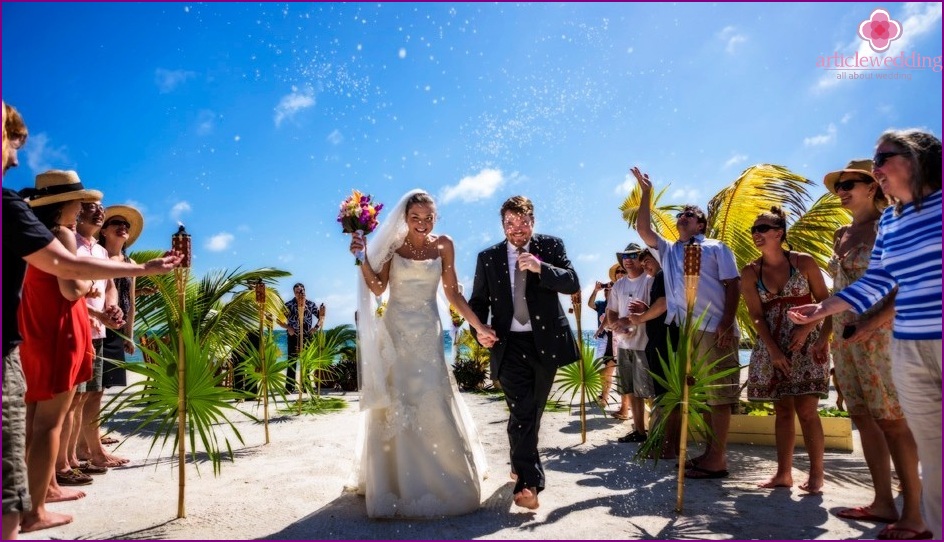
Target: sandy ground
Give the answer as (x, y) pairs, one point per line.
(293, 488)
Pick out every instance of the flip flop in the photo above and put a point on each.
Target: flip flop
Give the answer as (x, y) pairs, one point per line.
(619, 416)
(109, 440)
(705, 474)
(87, 468)
(862, 513)
(915, 535)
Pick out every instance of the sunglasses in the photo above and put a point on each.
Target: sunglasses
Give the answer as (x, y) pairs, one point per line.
(881, 157)
(687, 214)
(127, 225)
(849, 184)
(92, 206)
(620, 273)
(631, 256)
(764, 228)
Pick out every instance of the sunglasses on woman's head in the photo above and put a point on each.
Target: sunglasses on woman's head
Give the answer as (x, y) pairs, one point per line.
(763, 228)
(849, 184)
(881, 157)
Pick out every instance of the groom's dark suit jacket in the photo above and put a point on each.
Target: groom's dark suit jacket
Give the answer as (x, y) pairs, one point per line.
(491, 293)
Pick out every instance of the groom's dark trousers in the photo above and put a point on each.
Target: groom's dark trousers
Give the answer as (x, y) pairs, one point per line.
(526, 383)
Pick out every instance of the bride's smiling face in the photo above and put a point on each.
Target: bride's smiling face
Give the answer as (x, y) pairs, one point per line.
(420, 218)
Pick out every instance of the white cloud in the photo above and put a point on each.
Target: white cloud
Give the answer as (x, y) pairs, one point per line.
(291, 104)
(821, 139)
(206, 122)
(846, 118)
(178, 210)
(335, 137)
(917, 20)
(731, 38)
(735, 160)
(42, 156)
(685, 195)
(478, 187)
(168, 80)
(627, 186)
(220, 242)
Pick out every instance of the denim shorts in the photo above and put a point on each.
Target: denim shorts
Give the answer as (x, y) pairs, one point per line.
(16, 497)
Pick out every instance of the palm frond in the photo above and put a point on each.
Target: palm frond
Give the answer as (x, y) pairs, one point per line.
(586, 375)
(813, 231)
(663, 221)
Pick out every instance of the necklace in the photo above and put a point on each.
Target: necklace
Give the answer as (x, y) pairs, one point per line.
(417, 253)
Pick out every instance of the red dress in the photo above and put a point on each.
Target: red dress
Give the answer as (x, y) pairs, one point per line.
(56, 351)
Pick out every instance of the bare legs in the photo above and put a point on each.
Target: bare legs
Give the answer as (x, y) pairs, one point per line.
(805, 408)
(904, 452)
(91, 440)
(45, 419)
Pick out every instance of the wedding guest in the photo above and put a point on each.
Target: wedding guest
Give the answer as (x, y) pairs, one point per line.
(785, 366)
(616, 272)
(56, 350)
(862, 358)
(306, 330)
(907, 255)
(26, 240)
(518, 282)
(634, 378)
(121, 228)
(718, 296)
(105, 313)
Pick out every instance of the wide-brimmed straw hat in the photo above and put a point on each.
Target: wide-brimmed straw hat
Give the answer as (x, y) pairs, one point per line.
(129, 213)
(861, 167)
(613, 269)
(55, 186)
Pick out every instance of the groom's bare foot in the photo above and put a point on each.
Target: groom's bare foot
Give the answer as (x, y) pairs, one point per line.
(527, 498)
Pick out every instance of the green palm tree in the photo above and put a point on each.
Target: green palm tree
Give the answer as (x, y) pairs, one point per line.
(732, 211)
(584, 378)
(317, 359)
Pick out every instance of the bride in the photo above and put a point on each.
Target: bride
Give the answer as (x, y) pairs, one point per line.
(419, 453)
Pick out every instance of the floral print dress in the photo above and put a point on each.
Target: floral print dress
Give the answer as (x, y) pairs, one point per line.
(807, 375)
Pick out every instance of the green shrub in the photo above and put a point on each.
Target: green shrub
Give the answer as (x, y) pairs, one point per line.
(470, 374)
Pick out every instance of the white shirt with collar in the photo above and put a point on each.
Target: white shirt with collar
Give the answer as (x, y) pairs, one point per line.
(512, 264)
(717, 265)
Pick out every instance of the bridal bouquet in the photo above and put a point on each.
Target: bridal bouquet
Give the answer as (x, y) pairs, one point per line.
(359, 214)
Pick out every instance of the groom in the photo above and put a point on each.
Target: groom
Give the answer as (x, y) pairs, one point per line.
(519, 281)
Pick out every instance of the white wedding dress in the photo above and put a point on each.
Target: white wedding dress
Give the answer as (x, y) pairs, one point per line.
(420, 454)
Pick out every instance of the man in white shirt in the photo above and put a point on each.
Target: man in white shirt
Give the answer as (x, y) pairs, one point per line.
(634, 378)
(718, 294)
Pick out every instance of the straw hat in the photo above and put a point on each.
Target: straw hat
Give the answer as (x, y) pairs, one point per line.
(55, 186)
(613, 269)
(862, 167)
(129, 213)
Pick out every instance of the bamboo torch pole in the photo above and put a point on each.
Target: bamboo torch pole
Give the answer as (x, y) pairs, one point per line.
(577, 303)
(180, 241)
(301, 348)
(692, 264)
(260, 299)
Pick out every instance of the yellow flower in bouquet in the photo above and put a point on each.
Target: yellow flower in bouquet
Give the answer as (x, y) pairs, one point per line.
(359, 214)
(457, 319)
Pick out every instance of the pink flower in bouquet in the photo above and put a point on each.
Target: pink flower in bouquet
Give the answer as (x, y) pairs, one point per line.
(359, 214)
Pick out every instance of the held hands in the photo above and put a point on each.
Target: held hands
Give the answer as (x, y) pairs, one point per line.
(780, 362)
(799, 335)
(820, 349)
(485, 335)
(645, 185)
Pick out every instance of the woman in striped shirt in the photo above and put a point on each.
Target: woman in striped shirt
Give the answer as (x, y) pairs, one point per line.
(907, 254)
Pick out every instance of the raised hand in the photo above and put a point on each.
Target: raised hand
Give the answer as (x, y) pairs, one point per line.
(165, 263)
(642, 178)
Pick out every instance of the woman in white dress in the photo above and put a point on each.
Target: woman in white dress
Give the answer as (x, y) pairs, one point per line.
(419, 453)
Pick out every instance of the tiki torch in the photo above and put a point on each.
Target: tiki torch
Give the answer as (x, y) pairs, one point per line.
(692, 270)
(301, 348)
(576, 301)
(180, 242)
(260, 289)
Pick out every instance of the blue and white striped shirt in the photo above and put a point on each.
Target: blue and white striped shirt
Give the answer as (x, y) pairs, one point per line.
(907, 254)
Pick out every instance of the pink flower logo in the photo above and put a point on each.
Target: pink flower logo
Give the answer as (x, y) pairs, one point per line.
(879, 30)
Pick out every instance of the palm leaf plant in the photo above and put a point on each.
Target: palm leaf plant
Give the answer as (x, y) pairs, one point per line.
(262, 370)
(152, 401)
(584, 378)
(317, 358)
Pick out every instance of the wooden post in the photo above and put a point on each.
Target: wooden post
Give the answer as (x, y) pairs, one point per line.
(577, 303)
(263, 359)
(692, 268)
(180, 241)
(301, 348)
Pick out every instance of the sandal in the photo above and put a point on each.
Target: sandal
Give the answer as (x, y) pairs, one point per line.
(109, 440)
(73, 477)
(619, 416)
(86, 467)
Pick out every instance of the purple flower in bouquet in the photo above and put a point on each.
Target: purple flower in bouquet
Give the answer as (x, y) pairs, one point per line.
(358, 214)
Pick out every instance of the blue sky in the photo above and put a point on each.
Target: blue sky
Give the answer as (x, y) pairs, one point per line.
(251, 122)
